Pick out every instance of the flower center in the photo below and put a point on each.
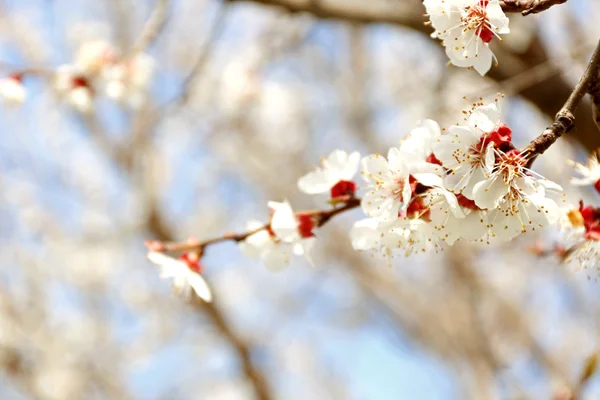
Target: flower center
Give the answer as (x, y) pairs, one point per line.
(417, 209)
(477, 20)
(192, 261)
(511, 164)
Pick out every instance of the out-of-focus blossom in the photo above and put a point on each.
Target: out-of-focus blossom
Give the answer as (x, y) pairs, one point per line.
(128, 81)
(292, 228)
(73, 87)
(335, 175)
(12, 89)
(93, 56)
(590, 173)
(263, 244)
(185, 272)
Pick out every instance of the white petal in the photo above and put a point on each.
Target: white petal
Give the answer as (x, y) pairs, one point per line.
(378, 204)
(284, 223)
(351, 167)
(277, 258)
(396, 162)
(161, 258)
(315, 182)
(485, 118)
(429, 179)
(200, 286)
(505, 225)
(364, 234)
(489, 193)
(473, 226)
(375, 168)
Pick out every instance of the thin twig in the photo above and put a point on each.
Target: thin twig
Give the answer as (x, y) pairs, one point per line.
(152, 28)
(213, 35)
(321, 217)
(565, 119)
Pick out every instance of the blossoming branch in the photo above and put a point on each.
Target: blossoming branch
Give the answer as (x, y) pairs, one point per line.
(466, 182)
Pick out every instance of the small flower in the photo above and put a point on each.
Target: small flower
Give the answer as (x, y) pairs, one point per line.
(128, 80)
(590, 173)
(417, 146)
(335, 175)
(466, 28)
(392, 183)
(74, 88)
(465, 149)
(265, 245)
(515, 199)
(456, 218)
(12, 89)
(93, 56)
(185, 273)
(292, 228)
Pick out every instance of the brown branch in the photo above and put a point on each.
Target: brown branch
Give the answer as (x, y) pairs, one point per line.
(527, 7)
(397, 13)
(565, 119)
(595, 96)
(321, 217)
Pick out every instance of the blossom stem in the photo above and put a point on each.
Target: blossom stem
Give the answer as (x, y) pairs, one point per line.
(321, 217)
(527, 7)
(565, 119)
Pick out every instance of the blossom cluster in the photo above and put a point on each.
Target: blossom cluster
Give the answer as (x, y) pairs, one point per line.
(466, 28)
(98, 67)
(468, 182)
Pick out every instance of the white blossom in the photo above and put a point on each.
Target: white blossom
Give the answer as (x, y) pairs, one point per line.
(93, 56)
(265, 245)
(185, 273)
(335, 175)
(391, 183)
(12, 90)
(417, 146)
(73, 87)
(515, 199)
(453, 221)
(463, 150)
(293, 229)
(128, 80)
(466, 28)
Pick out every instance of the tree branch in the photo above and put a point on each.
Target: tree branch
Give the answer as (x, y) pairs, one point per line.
(527, 7)
(565, 119)
(397, 13)
(321, 217)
